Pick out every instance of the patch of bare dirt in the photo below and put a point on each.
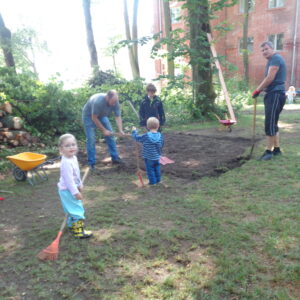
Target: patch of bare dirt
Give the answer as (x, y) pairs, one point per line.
(195, 154)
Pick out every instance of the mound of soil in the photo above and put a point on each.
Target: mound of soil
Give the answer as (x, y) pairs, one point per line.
(196, 153)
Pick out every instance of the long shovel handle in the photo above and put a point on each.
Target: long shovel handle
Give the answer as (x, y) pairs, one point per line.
(253, 127)
(134, 110)
(254, 119)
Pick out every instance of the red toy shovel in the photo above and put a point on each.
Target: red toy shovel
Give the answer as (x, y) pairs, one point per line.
(165, 160)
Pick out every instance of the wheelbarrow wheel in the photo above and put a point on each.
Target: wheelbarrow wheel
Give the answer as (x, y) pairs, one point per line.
(19, 174)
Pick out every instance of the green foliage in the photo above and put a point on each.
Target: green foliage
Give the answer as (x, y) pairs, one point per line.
(17, 86)
(238, 93)
(47, 109)
(177, 99)
(178, 42)
(100, 78)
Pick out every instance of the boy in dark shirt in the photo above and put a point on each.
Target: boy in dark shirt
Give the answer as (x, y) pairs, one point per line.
(151, 106)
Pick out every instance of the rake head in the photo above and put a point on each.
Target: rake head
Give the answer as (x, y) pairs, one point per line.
(51, 252)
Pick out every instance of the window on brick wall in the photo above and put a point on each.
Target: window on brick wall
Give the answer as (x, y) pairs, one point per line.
(249, 46)
(242, 5)
(175, 15)
(276, 3)
(277, 40)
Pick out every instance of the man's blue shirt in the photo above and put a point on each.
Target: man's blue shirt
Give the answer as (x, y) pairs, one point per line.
(278, 84)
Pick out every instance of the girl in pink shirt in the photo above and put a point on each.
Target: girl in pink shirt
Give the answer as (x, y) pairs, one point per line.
(70, 186)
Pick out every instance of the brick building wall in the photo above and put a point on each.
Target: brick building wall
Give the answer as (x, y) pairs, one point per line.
(263, 21)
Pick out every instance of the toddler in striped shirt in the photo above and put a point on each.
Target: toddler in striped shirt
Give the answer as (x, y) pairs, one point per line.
(152, 142)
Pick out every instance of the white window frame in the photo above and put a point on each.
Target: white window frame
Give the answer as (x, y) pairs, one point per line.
(175, 14)
(276, 3)
(276, 39)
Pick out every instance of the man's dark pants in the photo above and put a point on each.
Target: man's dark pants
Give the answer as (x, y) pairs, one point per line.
(274, 103)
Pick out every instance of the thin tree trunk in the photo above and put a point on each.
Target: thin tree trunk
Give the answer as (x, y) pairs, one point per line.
(6, 45)
(168, 30)
(114, 64)
(90, 35)
(33, 60)
(132, 49)
(245, 42)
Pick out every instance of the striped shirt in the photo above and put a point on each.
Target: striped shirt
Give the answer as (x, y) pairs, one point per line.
(152, 144)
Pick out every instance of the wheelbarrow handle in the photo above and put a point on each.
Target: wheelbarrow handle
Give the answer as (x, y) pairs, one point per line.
(50, 161)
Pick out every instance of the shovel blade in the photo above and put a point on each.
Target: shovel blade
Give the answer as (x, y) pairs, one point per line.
(165, 160)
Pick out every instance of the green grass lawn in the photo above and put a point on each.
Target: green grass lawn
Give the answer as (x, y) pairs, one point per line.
(235, 236)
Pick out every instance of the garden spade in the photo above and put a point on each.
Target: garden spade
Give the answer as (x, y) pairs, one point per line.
(253, 128)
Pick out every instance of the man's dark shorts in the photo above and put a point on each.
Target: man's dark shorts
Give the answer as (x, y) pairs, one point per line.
(274, 103)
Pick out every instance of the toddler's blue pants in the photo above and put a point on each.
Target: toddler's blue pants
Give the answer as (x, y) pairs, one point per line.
(153, 170)
(71, 206)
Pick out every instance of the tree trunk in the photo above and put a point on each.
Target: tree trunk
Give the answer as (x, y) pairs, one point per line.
(168, 30)
(90, 35)
(133, 52)
(200, 58)
(245, 42)
(6, 45)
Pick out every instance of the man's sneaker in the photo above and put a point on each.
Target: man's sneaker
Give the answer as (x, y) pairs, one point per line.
(266, 156)
(277, 153)
(117, 161)
(79, 232)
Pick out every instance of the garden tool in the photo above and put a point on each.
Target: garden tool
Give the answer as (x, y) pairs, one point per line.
(51, 252)
(253, 128)
(139, 172)
(227, 122)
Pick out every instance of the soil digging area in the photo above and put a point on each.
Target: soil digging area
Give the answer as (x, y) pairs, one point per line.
(196, 153)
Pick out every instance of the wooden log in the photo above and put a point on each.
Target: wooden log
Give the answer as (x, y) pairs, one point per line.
(6, 106)
(14, 143)
(15, 134)
(12, 122)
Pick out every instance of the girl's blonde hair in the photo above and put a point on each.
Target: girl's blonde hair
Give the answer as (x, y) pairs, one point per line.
(152, 123)
(64, 137)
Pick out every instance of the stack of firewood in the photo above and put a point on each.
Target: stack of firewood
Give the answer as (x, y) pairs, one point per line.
(11, 133)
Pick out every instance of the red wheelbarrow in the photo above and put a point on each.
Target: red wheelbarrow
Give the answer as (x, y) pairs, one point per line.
(227, 123)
